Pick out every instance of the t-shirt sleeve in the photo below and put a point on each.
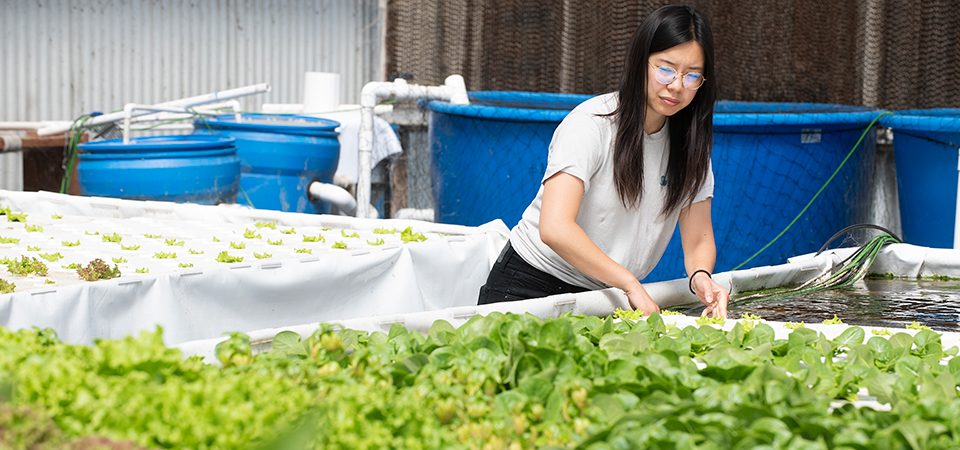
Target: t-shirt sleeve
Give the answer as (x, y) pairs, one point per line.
(707, 190)
(575, 148)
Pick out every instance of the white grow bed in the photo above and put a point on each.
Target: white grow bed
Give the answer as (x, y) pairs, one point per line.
(902, 260)
(210, 298)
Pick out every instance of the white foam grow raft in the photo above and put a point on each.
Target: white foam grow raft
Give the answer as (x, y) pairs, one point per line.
(194, 296)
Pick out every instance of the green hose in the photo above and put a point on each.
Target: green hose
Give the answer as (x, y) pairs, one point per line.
(850, 153)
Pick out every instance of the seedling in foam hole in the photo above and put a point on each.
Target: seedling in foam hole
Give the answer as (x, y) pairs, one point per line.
(236, 246)
(33, 228)
(98, 269)
(270, 225)
(116, 238)
(16, 217)
(164, 255)
(224, 257)
(173, 242)
(250, 234)
(120, 260)
(407, 235)
(70, 244)
(711, 320)
(194, 252)
(351, 235)
(51, 256)
(277, 242)
(376, 242)
(340, 245)
(290, 231)
(303, 250)
(834, 321)
(27, 265)
(262, 255)
(384, 231)
(129, 247)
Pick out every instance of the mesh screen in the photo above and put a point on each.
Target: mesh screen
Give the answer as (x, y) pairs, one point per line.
(893, 54)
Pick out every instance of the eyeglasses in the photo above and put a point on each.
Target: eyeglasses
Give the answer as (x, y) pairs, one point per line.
(666, 75)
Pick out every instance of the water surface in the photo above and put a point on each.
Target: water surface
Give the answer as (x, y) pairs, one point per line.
(879, 303)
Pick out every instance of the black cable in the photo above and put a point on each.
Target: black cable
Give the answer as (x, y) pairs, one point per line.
(857, 227)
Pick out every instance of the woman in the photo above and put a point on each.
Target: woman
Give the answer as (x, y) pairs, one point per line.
(623, 170)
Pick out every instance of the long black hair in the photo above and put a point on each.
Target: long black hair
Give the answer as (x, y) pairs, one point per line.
(691, 129)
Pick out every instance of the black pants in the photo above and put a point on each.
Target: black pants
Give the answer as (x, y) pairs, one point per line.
(513, 279)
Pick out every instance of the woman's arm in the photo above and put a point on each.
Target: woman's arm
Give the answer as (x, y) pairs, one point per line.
(700, 252)
(562, 194)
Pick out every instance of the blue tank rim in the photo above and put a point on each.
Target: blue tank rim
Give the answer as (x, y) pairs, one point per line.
(731, 113)
(184, 142)
(727, 113)
(179, 154)
(946, 120)
(483, 105)
(308, 126)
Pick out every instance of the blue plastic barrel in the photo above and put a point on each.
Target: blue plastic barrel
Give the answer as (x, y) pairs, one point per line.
(195, 169)
(925, 146)
(488, 157)
(279, 157)
(769, 160)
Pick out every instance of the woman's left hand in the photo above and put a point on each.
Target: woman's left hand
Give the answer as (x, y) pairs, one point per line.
(711, 294)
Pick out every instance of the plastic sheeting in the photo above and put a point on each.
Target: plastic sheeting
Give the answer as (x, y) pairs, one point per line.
(209, 298)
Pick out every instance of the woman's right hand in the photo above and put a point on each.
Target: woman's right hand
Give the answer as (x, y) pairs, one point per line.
(640, 299)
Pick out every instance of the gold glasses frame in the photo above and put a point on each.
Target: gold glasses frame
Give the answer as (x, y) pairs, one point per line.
(682, 76)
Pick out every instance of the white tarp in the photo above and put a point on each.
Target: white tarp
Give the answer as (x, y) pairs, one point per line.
(209, 298)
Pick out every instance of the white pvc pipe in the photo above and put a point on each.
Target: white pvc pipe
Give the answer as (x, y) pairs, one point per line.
(178, 113)
(334, 195)
(32, 125)
(182, 103)
(210, 110)
(453, 90)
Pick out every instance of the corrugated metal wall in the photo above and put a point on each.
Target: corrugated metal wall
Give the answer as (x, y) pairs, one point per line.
(63, 58)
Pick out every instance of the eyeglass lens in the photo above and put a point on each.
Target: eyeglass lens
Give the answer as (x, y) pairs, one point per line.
(666, 75)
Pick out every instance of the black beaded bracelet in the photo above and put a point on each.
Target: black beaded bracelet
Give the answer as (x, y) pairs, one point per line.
(690, 283)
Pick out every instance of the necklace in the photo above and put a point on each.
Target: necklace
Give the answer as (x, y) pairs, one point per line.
(664, 162)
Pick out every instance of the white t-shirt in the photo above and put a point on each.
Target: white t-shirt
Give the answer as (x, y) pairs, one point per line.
(634, 237)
